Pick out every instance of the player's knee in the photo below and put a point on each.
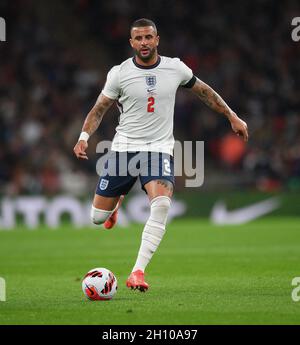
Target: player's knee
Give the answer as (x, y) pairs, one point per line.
(160, 208)
(99, 216)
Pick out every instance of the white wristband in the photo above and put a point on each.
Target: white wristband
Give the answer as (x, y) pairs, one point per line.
(84, 136)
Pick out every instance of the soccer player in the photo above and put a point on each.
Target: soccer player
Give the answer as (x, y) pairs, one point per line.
(144, 89)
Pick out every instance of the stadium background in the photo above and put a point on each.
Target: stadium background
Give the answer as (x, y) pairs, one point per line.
(54, 64)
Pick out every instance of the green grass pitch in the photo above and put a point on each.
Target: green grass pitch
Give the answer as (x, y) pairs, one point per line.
(201, 274)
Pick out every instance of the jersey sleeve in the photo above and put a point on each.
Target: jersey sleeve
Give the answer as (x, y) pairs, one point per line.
(111, 88)
(187, 78)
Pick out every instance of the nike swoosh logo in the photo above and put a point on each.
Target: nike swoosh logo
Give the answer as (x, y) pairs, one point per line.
(221, 216)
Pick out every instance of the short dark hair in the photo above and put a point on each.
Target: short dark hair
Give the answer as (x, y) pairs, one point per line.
(143, 22)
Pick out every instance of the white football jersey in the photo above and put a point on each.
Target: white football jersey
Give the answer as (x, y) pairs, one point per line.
(146, 97)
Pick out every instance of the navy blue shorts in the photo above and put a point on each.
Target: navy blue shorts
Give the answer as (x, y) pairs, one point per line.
(122, 169)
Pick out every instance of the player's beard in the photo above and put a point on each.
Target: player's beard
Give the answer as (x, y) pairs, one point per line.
(148, 57)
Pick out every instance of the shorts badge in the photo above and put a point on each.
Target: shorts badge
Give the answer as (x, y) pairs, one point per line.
(103, 184)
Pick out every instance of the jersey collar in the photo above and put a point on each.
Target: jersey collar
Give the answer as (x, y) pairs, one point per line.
(146, 67)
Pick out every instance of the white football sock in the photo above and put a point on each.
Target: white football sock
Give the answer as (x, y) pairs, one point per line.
(153, 231)
(99, 216)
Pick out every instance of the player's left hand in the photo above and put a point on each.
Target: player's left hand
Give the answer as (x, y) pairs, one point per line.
(80, 148)
(239, 126)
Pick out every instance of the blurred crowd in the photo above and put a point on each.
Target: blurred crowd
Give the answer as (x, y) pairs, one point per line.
(54, 64)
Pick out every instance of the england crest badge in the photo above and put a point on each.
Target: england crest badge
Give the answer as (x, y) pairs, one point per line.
(151, 80)
(103, 184)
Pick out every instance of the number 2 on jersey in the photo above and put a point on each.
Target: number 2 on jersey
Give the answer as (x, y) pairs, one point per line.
(151, 102)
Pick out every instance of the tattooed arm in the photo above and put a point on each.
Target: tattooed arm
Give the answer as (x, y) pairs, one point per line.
(216, 102)
(92, 122)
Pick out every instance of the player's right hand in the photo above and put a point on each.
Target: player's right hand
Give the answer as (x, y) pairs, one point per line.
(239, 126)
(79, 149)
